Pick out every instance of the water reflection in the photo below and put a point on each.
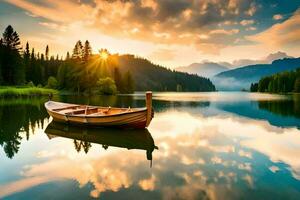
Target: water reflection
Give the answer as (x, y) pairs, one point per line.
(17, 118)
(283, 108)
(208, 149)
(283, 112)
(83, 137)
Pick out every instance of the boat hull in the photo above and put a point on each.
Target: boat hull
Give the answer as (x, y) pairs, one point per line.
(136, 119)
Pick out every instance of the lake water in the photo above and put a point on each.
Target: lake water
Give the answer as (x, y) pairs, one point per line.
(200, 145)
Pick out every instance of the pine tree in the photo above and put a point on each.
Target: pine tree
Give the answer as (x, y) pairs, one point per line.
(11, 39)
(68, 56)
(87, 51)
(1, 79)
(297, 85)
(12, 66)
(42, 70)
(47, 53)
(33, 63)
(28, 69)
(78, 51)
(118, 79)
(128, 83)
(1, 59)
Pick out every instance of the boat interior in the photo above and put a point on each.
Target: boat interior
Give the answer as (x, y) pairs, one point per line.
(80, 110)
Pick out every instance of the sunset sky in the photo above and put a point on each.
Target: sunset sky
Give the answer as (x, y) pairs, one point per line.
(168, 32)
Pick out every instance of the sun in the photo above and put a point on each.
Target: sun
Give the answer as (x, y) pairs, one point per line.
(103, 54)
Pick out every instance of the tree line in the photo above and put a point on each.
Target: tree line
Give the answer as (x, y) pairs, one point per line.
(85, 72)
(154, 77)
(81, 72)
(283, 82)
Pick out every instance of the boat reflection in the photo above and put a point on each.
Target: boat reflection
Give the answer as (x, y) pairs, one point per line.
(122, 138)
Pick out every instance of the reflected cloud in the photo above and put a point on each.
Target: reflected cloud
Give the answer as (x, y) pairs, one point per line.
(274, 169)
(148, 184)
(214, 157)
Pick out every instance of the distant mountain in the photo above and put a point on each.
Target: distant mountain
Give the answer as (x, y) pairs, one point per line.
(210, 69)
(266, 60)
(241, 78)
(205, 69)
(149, 76)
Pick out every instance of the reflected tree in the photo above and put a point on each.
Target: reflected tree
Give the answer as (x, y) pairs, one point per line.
(17, 116)
(11, 147)
(284, 108)
(82, 145)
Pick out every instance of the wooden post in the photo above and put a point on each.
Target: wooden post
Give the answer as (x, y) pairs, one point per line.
(149, 107)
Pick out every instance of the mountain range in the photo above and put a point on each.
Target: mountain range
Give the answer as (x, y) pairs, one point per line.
(241, 78)
(241, 73)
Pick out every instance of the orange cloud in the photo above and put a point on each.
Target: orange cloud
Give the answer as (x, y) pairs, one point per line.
(246, 22)
(285, 35)
(277, 17)
(59, 11)
(163, 22)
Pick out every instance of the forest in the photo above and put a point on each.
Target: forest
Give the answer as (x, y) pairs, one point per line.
(84, 72)
(284, 82)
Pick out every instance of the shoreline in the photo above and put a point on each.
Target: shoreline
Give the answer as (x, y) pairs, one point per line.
(16, 92)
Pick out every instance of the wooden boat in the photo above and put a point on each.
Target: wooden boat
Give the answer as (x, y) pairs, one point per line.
(139, 139)
(101, 116)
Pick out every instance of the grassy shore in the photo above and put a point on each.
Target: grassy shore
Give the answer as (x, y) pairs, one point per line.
(25, 91)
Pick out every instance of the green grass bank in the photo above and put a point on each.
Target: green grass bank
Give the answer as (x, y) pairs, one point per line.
(6, 92)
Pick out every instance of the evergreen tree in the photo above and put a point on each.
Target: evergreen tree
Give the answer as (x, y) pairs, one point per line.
(297, 84)
(1, 58)
(78, 51)
(62, 76)
(279, 83)
(11, 39)
(68, 56)
(42, 70)
(28, 69)
(12, 64)
(118, 79)
(35, 70)
(1, 79)
(87, 51)
(47, 53)
(128, 83)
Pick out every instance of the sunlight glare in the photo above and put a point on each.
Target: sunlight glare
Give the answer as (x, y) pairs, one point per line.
(103, 55)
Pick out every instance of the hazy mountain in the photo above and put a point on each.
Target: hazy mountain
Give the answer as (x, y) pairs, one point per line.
(210, 69)
(266, 60)
(205, 69)
(241, 78)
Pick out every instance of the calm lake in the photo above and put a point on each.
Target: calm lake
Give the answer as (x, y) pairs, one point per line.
(231, 145)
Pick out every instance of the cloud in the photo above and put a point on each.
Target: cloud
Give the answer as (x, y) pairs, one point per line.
(283, 35)
(148, 184)
(224, 32)
(157, 21)
(274, 169)
(277, 17)
(58, 11)
(251, 28)
(30, 14)
(145, 26)
(53, 26)
(246, 22)
(163, 54)
(252, 9)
